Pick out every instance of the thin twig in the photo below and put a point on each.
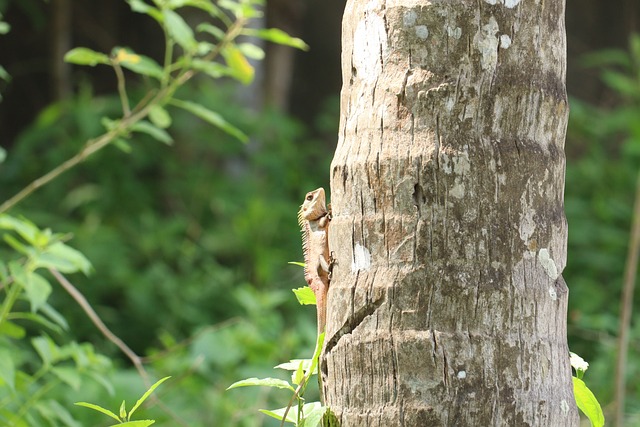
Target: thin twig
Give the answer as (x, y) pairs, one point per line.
(122, 88)
(626, 306)
(90, 312)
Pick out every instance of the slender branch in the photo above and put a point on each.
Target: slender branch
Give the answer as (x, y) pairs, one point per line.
(626, 307)
(84, 304)
(122, 88)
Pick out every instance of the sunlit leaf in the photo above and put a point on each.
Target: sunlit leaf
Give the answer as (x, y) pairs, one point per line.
(46, 349)
(12, 330)
(305, 296)
(123, 411)
(146, 395)
(137, 63)
(266, 382)
(86, 56)
(242, 69)
(141, 7)
(64, 259)
(139, 423)
(99, 409)
(278, 36)
(251, 51)
(588, 403)
(313, 413)
(292, 415)
(211, 117)
(294, 364)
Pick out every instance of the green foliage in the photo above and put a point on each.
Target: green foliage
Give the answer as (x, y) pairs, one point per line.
(124, 419)
(183, 245)
(603, 150)
(300, 414)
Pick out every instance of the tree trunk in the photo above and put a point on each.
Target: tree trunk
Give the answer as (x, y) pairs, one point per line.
(447, 307)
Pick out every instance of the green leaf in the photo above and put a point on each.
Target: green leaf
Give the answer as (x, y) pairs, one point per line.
(123, 411)
(3, 152)
(205, 5)
(86, 56)
(69, 376)
(159, 117)
(179, 30)
(251, 51)
(278, 36)
(27, 230)
(141, 7)
(37, 290)
(298, 376)
(313, 413)
(266, 382)
(292, 416)
(154, 131)
(211, 117)
(7, 368)
(46, 349)
(55, 316)
(300, 264)
(122, 145)
(139, 423)
(621, 83)
(305, 296)
(4, 75)
(12, 330)
(64, 259)
(316, 355)
(588, 403)
(36, 318)
(99, 409)
(146, 395)
(242, 70)
(4, 27)
(212, 69)
(211, 29)
(294, 364)
(140, 64)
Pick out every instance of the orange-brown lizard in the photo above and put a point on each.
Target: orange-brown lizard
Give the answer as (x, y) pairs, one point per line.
(314, 219)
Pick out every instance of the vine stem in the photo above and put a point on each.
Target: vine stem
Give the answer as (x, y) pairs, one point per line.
(626, 307)
(90, 312)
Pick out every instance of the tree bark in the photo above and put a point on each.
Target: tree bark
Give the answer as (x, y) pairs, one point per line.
(447, 306)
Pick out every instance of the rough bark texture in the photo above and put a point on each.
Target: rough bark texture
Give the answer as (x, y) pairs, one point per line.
(447, 305)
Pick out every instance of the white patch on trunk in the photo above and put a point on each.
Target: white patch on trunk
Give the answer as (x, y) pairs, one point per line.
(552, 293)
(361, 258)
(454, 32)
(505, 41)
(527, 224)
(422, 32)
(564, 406)
(486, 42)
(508, 3)
(409, 18)
(548, 264)
(369, 45)
(462, 375)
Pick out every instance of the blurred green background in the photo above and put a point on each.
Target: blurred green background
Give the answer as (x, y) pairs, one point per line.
(190, 242)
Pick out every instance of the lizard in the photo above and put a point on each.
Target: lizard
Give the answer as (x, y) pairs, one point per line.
(314, 219)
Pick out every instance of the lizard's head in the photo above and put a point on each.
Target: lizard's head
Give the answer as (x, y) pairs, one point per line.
(314, 206)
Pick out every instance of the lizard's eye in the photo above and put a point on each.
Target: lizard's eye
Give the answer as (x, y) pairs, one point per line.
(309, 197)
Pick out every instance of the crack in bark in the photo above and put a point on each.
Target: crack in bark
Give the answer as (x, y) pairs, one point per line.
(353, 322)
